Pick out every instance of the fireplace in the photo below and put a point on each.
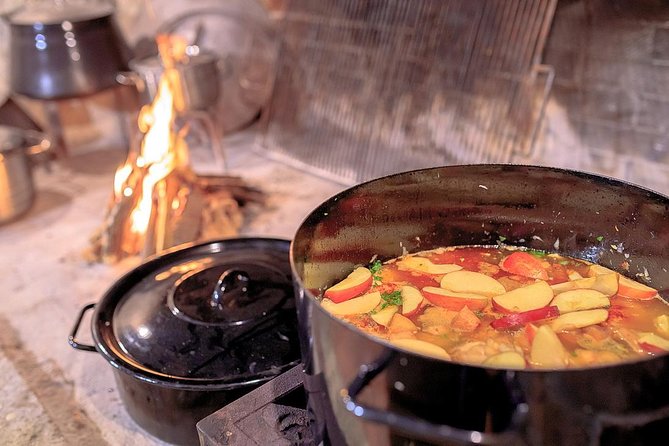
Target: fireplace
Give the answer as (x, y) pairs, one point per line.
(157, 200)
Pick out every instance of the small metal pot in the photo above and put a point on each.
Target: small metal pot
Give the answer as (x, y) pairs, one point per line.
(198, 76)
(193, 329)
(61, 51)
(17, 146)
(199, 83)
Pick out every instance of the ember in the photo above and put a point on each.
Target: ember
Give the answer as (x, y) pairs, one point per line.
(158, 201)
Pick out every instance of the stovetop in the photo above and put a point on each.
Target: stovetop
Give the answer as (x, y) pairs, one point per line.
(275, 413)
(292, 409)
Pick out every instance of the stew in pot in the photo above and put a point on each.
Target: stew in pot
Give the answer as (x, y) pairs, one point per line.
(504, 307)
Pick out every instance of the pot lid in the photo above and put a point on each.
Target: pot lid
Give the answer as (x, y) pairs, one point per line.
(218, 311)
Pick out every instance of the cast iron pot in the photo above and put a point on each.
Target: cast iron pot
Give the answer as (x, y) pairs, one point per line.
(193, 329)
(380, 394)
(61, 49)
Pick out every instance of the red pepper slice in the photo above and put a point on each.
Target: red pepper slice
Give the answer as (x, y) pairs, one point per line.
(524, 264)
(514, 320)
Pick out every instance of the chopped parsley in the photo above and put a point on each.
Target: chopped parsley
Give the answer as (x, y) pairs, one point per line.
(599, 238)
(375, 269)
(537, 253)
(394, 298)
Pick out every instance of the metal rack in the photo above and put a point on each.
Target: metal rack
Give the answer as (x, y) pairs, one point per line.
(365, 89)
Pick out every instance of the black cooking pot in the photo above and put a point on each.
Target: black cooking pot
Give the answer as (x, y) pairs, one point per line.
(196, 328)
(380, 394)
(64, 49)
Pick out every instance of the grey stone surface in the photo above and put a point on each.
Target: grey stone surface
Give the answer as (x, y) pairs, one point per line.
(51, 393)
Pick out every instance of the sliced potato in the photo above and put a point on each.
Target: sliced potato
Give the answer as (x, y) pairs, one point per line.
(656, 343)
(530, 297)
(422, 347)
(472, 282)
(547, 351)
(383, 316)
(606, 284)
(506, 360)
(400, 323)
(576, 300)
(598, 270)
(661, 324)
(357, 305)
(579, 319)
(425, 265)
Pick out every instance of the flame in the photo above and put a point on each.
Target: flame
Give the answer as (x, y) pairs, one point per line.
(159, 153)
(121, 180)
(158, 200)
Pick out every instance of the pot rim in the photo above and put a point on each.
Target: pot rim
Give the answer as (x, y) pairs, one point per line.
(121, 362)
(327, 203)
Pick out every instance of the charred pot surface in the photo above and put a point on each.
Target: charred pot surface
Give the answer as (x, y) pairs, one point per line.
(602, 220)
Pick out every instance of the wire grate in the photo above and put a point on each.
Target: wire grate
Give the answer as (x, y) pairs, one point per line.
(366, 89)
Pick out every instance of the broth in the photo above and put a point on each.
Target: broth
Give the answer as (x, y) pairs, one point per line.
(504, 307)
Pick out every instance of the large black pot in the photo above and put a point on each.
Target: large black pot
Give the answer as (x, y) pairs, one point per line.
(381, 395)
(195, 328)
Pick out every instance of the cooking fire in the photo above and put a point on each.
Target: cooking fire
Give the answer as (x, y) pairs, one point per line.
(158, 201)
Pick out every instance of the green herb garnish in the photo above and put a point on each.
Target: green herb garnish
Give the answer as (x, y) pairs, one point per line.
(600, 238)
(394, 298)
(375, 268)
(537, 253)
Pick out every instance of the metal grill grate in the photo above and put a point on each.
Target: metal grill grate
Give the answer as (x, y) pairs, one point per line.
(366, 89)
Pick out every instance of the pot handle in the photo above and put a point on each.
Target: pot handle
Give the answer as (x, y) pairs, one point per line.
(415, 426)
(72, 338)
(131, 79)
(39, 143)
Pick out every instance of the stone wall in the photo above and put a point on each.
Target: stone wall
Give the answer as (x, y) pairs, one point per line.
(609, 111)
(612, 78)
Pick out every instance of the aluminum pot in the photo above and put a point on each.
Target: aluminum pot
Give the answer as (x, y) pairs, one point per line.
(17, 149)
(198, 77)
(195, 328)
(64, 49)
(380, 394)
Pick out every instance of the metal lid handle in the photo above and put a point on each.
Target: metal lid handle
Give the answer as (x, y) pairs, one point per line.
(232, 289)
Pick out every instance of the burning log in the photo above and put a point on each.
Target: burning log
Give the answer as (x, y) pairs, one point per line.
(158, 201)
(185, 208)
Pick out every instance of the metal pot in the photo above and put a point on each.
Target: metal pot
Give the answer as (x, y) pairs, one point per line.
(194, 329)
(17, 147)
(64, 49)
(228, 70)
(381, 394)
(198, 77)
